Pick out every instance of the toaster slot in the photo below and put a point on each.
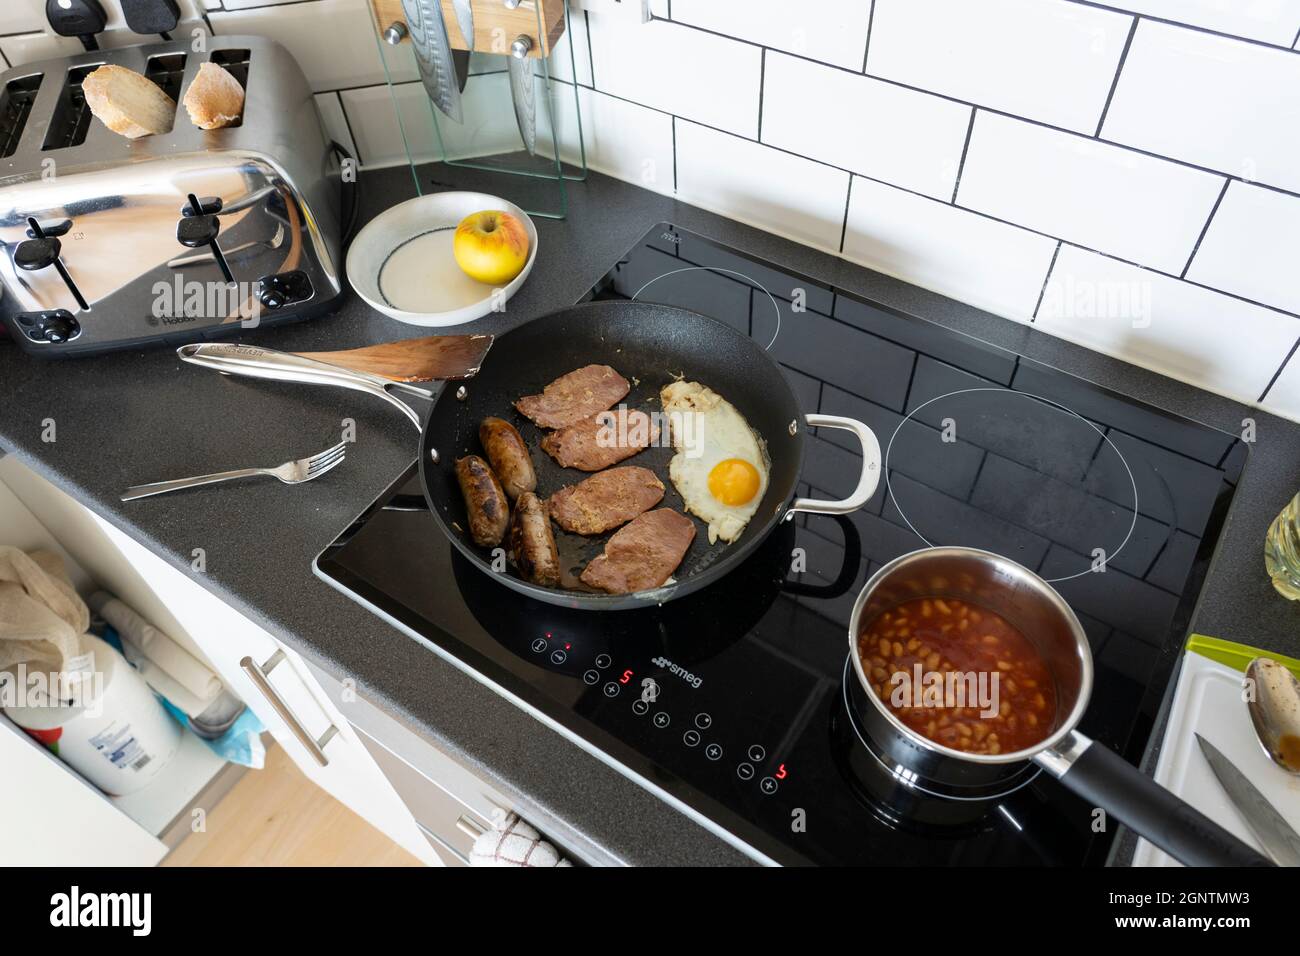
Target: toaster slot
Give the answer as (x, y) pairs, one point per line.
(166, 71)
(15, 106)
(71, 116)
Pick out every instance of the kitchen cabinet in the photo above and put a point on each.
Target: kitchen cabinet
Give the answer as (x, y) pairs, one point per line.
(271, 678)
(451, 804)
(274, 681)
(63, 820)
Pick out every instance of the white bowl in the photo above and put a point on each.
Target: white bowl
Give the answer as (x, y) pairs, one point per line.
(451, 296)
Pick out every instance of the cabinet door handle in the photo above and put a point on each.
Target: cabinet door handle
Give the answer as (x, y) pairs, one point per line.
(258, 675)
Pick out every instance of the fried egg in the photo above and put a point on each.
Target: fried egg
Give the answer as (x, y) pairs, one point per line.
(721, 466)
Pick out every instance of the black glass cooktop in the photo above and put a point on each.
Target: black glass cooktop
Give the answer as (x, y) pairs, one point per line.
(746, 727)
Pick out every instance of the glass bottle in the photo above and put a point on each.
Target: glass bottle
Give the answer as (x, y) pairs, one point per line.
(1282, 551)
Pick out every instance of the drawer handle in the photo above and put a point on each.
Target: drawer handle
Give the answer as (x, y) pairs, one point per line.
(258, 675)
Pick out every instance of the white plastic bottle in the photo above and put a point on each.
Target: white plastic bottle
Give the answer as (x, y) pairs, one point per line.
(117, 735)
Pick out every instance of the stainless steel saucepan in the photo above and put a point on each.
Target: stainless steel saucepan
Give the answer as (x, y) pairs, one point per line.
(1091, 770)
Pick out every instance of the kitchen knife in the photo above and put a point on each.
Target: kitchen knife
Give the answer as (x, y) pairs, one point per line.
(433, 54)
(521, 91)
(465, 20)
(1275, 835)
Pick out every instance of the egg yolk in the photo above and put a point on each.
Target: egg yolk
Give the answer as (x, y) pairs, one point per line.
(734, 481)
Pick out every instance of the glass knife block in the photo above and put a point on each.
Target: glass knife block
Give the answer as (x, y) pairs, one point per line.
(488, 137)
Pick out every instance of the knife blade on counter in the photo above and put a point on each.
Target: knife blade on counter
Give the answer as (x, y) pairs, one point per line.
(433, 55)
(1277, 838)
(521, 90)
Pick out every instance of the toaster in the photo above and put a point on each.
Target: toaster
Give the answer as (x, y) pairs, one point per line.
(111, 243)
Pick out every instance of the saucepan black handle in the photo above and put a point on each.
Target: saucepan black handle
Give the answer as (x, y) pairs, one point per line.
(1107, 780)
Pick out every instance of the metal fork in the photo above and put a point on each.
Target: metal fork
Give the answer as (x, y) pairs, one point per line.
(291, 473)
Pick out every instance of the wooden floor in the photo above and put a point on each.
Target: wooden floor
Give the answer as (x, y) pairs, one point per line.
(277, 817)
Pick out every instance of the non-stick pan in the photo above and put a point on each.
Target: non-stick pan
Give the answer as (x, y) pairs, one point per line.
(650, 345)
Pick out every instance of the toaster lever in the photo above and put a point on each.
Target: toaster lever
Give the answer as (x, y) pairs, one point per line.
(41, 252)
(199, 227)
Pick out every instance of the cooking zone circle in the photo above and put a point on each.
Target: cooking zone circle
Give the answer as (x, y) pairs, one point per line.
(754, 282)
(1053, 481)
(910, 778)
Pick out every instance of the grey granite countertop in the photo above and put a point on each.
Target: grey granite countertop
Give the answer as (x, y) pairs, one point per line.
(133, 416)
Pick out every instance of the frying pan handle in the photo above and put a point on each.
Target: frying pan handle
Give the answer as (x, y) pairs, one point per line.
(255, 362)
(1108, 781)
(870, 468)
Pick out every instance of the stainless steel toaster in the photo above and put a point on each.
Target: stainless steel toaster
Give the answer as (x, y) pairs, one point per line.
(103, 246)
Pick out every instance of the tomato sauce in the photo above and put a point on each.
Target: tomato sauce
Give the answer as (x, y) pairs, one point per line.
(960, 675)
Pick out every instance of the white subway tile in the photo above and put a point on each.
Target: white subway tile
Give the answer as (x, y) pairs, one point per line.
(987, 264)
(488, 129)
(334, 41)
(622, 139)
(765, 187)
(21, 16)
(572, 52)
(1211, 340)
(706, 78)
(1104, 197)
(336, 125)
(1269, 21)
(245, 4)
(880, 130)
(29, 47)
(832, 31)
(1253, 247)
(1048, 60)
(374, 120)
(1211, 101)
(1284, 397)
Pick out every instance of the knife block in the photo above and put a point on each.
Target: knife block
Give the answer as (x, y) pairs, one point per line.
(488, 136)
(495, 25)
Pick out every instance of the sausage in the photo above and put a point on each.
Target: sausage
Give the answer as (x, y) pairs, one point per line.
(532, 544)
(509, 456)
(485, 502)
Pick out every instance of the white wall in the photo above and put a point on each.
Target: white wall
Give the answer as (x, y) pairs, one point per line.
(1122, 174)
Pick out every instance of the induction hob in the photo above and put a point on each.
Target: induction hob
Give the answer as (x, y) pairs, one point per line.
(745, 726)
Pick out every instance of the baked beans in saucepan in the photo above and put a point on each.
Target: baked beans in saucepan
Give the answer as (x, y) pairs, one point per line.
(959, 675)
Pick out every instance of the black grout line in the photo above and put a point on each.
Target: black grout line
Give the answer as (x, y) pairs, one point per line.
(1206, 228)
(1119, 68)
(674, 125)
(961, 163)
(762, 82)
(347, 121)
(1033, 316)
(866, 47)
(1276, 375)
(591, 60)
(1185, 26)
(848, 199)
(1296, 41)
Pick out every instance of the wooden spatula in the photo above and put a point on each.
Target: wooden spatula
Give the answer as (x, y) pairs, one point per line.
(433, 358)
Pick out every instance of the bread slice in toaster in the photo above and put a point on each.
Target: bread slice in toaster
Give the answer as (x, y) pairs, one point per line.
(128, 103)
(215, 98)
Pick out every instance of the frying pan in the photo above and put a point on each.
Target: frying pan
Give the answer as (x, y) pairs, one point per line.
(650, 345)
